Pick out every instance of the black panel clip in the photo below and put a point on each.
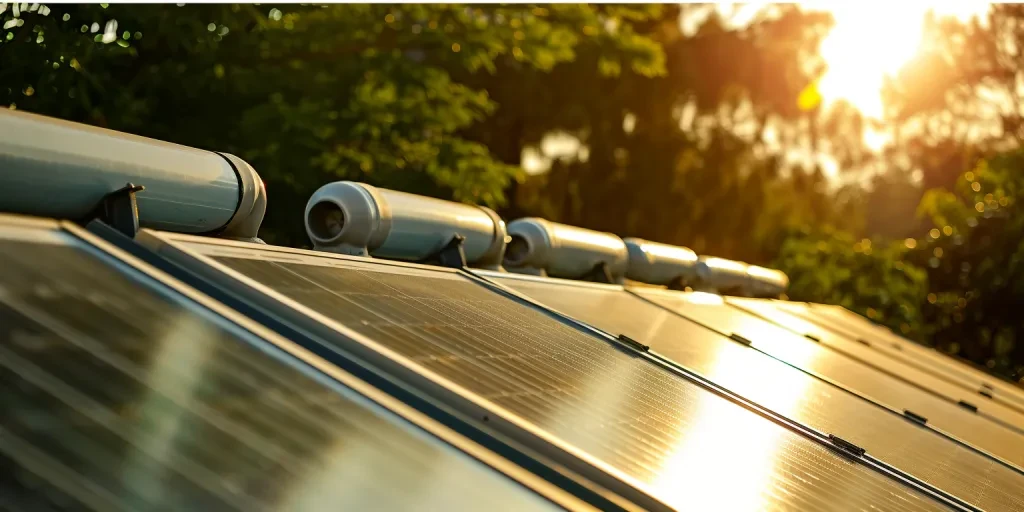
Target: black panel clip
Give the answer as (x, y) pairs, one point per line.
(847, 447)
(864, 342)
(812, 338)
(740, 339)
(452, 255)
(916, 418)
(985, 393)
(967, 405)
(633, 344)
(119, 210)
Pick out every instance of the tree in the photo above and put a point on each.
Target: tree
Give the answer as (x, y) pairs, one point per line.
(681, 158)
(307, 94)
(975, 261)
(872, 278)
(960, 100)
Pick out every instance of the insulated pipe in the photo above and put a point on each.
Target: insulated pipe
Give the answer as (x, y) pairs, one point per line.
(564, 251)
(60, 169)
(356, 218)
(720, 275)
(766, 282)
(660, 264)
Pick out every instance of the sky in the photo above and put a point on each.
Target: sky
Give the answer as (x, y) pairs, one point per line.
(869, 40)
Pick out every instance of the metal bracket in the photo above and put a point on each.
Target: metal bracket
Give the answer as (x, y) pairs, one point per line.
(967, 405)
(633, 344)
(452, 255)
(677, 283)
(916, 418)
(847, 447)
(740, 339)
(120, 210)
(600, 273)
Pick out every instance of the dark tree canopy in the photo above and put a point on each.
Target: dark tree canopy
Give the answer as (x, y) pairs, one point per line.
(311, 94)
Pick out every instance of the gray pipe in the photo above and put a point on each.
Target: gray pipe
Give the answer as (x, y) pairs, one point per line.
(766, 282)
(60, 169)
(563, 251)
(721, 275)
(661, 264)
(356, 218)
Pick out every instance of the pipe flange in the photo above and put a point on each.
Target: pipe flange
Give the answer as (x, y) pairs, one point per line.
(252, 201)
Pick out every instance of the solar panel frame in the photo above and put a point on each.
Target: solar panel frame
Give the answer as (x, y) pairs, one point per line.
(943, 415)
(856, 349)
(897, 351)
(640, 294)
(382, 367)
(291, 354)
(226, 284)
(843, 320)
(610, 292)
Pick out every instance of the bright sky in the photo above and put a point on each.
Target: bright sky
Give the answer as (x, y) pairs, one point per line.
(869, 41)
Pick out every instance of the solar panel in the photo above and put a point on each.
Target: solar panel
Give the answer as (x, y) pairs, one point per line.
(850, 373)
(925, 454)
(689, 447)
(852, 325)
(912, 374)
(119, 395)
(897, 351)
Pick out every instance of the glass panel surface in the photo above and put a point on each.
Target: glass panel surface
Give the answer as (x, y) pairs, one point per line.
(691, 448)
(711, 310)
(115, 395)
(788, 391)
(910, 373)
(854, 326)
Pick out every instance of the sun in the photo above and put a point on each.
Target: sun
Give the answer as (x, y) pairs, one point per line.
(870, 41)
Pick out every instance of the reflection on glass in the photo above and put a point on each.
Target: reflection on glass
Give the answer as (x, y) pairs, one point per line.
(118, 397)
(178, 365)
(717, 451)
(705, 298)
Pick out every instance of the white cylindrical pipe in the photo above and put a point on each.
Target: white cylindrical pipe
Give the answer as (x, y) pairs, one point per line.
(766, 282)
(60, 169)
(661, 264)
(356, 218)
(563, 251)
(720, 275)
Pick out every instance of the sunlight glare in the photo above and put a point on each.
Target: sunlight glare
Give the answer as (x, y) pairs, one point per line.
(867, 43)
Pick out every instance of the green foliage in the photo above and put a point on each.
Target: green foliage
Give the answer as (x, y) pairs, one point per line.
(975, 261)
(310, 94)
(689, 166)
(872, 278)
(957, 288)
